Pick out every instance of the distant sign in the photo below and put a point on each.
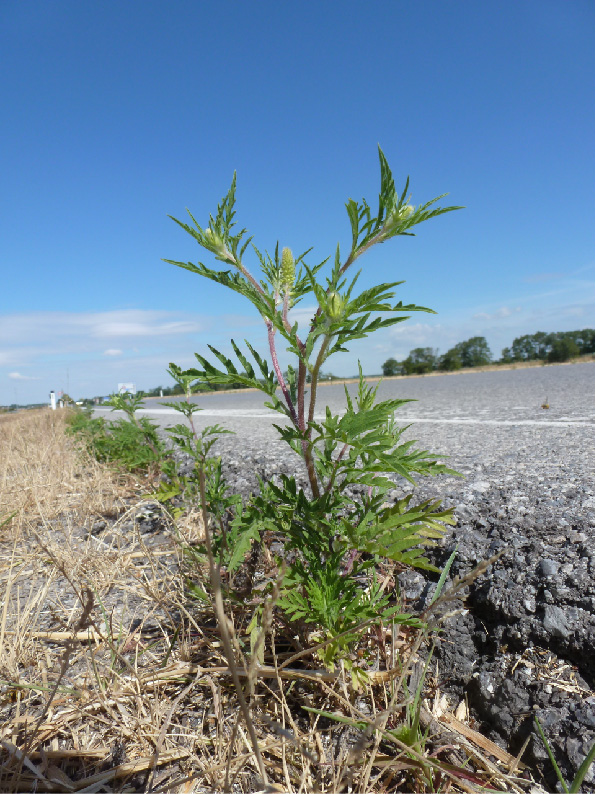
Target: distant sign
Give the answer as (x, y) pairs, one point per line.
(127, 388)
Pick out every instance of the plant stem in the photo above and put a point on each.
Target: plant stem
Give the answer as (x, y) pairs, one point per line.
(297, 419)
(335, 467)
(310, 468)
(224, 632)
(286, 306)
(315, 378)
(278, 372)
(190, 419)
(378, 238)
(306, 452)
(246, 274)
(301, 382)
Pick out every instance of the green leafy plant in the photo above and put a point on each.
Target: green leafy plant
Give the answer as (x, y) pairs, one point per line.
(132, 444)
(335, 534)
(197, 445)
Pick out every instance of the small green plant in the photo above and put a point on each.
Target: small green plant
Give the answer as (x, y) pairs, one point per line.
(197, 445)
(132, 444)
(335, 534)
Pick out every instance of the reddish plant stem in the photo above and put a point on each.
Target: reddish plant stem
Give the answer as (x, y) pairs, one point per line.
(284, 314)
(310, 468)
(286, 322)
(247, 275)
(308, 460)
(301, 382)
(279, 374)
(312, 476)
(306, 451)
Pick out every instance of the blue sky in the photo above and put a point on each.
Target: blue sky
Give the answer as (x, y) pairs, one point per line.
(118, 114)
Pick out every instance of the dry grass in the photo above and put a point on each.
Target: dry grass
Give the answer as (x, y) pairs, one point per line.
(41, 475)
(112, 680)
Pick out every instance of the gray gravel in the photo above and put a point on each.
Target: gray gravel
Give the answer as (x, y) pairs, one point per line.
(524, 644)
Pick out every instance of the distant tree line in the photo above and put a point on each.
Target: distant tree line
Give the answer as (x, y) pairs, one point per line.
(557, 346)
(553, 347)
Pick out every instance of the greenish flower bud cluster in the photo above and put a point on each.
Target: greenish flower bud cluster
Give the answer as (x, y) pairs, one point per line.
(217, 245)
(397, 216)
(288, 269)
(335, 306)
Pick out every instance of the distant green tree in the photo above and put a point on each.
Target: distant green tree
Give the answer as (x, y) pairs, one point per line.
(584, 340)
(506, 356)
(474, 352)
(539, 346)
(450, 361)
(563, 349)
(531, 347)
(420, 360)
(391, 367)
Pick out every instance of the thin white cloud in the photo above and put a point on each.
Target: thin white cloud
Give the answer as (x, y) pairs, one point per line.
(579, 310)
(539, 278)
(500, 314)
(240, 320)
(18, 376)
(417, 333)
(8, 357)
(108, 327)
(104, 348)
(576, 311)
(42, 326)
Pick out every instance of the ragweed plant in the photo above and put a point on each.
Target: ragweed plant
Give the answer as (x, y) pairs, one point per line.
(197, 445)
(132, 444)
(336, 533)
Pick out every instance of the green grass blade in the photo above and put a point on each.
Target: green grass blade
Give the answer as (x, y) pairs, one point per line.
(443, 577)
(8, 519)
(551, 756)
(582, 772)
